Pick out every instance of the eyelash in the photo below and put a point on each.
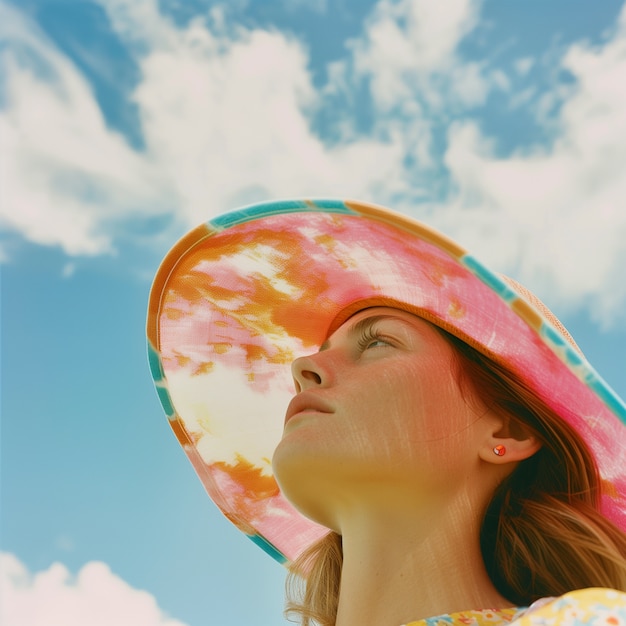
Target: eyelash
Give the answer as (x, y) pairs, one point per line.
(368, 336)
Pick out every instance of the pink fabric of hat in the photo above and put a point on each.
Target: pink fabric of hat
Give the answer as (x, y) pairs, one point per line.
(237, 299)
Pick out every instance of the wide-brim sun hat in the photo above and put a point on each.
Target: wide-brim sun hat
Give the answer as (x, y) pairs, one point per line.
(239, 298)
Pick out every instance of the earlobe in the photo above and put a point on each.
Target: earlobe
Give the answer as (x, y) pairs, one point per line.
(507, 449)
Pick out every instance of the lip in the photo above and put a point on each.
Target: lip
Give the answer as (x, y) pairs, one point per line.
(306, 402)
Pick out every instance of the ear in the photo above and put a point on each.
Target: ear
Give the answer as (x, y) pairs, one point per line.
(508, 444)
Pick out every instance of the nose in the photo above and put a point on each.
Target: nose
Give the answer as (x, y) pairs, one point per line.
(308, 373)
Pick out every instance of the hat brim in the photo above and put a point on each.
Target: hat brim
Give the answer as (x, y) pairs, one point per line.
(237, 299)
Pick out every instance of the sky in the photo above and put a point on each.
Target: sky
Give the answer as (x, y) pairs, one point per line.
(124, 123)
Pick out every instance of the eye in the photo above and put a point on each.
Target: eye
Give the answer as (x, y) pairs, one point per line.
(370, 338)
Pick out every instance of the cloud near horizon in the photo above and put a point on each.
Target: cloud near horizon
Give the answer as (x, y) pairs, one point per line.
(227, 116)
(53, 597)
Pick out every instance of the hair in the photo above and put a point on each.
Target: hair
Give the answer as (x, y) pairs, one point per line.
(543, 533)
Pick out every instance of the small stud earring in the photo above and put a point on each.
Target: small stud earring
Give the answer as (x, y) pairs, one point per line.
(499, 450)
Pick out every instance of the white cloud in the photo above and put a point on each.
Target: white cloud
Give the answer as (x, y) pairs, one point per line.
(555, 215)
(54, 597)
(68, 178)
(409, 51)
(225, 111)
(523, 65)
(409, 61)
(226, 116)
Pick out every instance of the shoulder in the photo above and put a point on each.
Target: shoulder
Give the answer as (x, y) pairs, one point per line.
(593, 607)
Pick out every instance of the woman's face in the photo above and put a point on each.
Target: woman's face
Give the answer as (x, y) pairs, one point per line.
(380, 404)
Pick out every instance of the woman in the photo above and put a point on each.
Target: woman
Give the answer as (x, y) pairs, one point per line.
(465, 457)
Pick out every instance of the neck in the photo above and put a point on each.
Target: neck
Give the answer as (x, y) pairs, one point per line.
(402, 565)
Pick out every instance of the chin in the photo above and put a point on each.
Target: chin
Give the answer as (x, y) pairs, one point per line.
(305, 482)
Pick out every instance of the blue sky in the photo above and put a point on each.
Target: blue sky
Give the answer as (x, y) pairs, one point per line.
(123, 123)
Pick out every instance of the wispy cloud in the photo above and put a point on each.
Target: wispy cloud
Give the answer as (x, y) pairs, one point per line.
(54, 597)
(409, 52)
(228, 112)
(556, 213)
(524, 65)
(223, 116)
(67, 179)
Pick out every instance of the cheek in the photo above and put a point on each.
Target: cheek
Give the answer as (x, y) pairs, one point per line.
(428, 403)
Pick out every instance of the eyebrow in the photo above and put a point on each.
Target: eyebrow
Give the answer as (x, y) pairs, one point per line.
(363, 324)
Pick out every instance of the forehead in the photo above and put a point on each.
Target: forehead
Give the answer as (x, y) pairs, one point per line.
(378, 312)
(361, 319)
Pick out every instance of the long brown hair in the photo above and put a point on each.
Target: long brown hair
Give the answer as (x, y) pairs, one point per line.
(543, 533)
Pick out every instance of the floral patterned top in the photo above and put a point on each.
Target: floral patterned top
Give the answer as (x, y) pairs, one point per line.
(486, 617)
(585, 607)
